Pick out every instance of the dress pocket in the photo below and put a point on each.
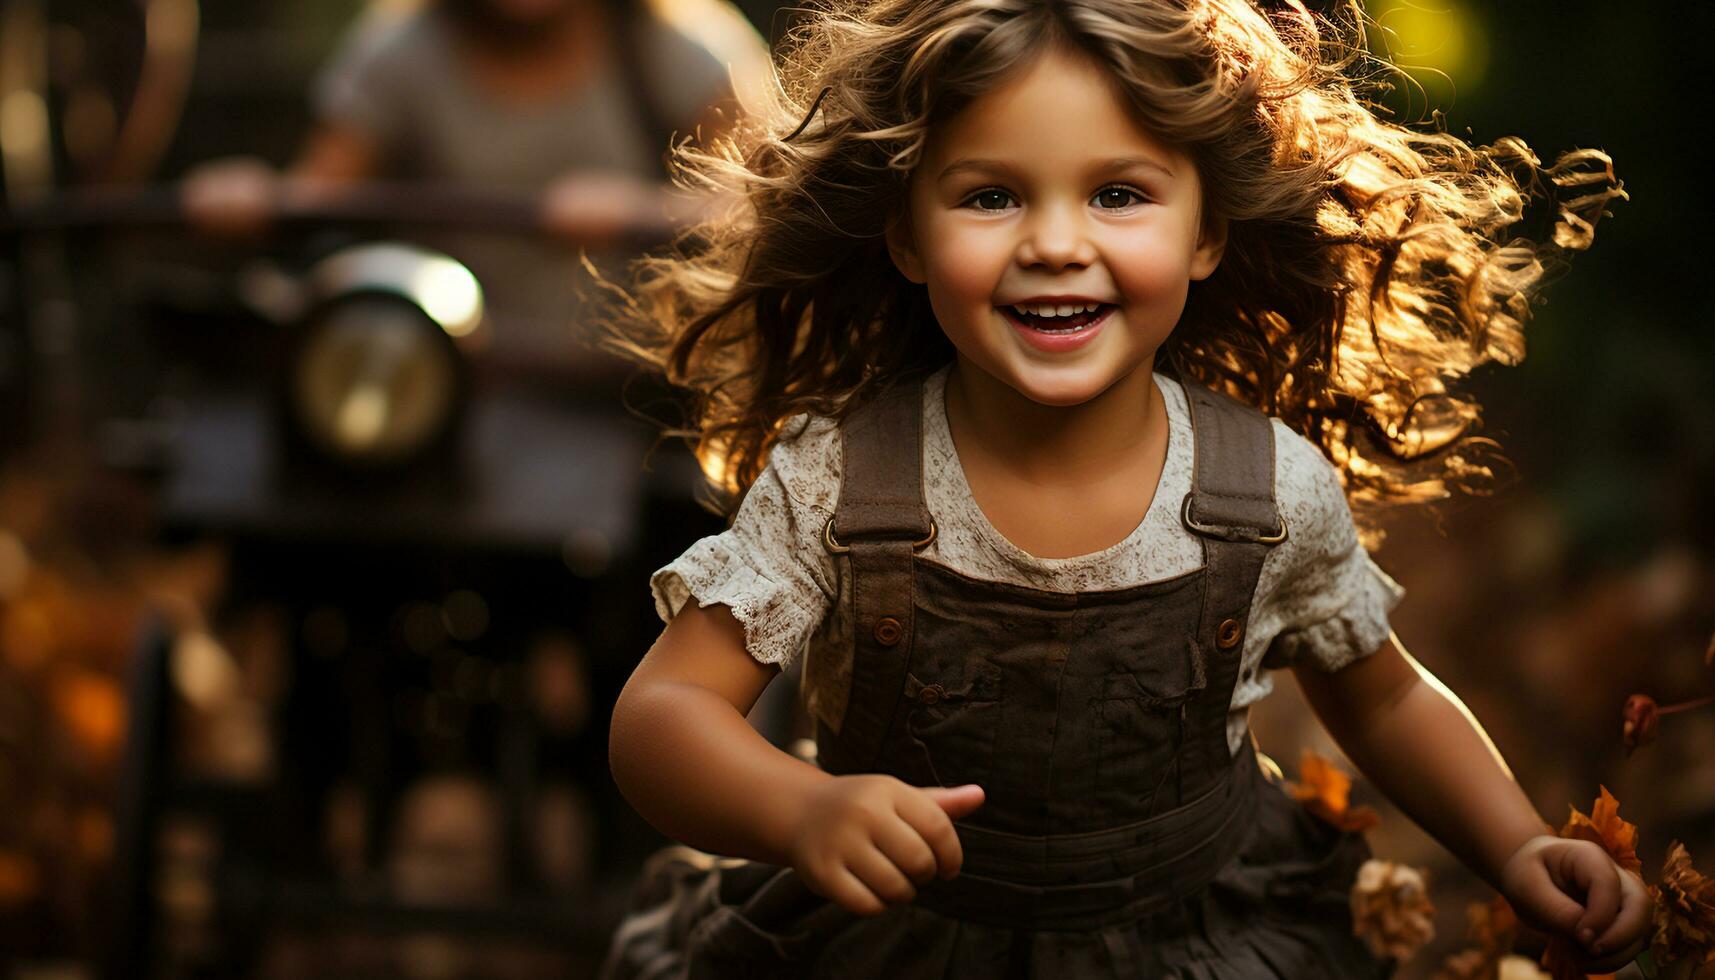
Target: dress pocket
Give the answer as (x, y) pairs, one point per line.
(1140, 727)
(951, 719)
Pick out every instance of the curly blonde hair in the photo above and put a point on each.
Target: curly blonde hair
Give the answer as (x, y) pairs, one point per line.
(1365, 266)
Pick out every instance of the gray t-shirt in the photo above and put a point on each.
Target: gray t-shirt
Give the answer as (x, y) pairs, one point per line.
(400, 82)
(1320, 600)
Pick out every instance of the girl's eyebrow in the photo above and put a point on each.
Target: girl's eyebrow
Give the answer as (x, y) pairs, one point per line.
(1137, 163)
(974, 166)
(984, 166)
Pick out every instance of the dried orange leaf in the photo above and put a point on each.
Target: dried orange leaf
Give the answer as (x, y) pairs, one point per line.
(1684, 910)
(1325, 791)
(1605, 828)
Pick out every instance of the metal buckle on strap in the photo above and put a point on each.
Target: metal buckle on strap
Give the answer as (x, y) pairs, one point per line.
(839, 549)
(1233, 532)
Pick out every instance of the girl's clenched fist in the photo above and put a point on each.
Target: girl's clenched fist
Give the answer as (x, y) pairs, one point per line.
(868, 841)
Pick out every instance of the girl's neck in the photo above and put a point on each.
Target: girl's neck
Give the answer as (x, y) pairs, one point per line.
(1056, 445)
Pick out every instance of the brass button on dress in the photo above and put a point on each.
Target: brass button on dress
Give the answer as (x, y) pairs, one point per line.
(1228, 634)
(888, 631)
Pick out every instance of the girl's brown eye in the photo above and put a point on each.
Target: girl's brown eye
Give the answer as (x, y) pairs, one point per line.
(990, 200)
(1114, 198)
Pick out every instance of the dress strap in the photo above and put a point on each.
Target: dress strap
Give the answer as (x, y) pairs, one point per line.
(881, 479)
(1232, 482)
(880, 521)
(1231, 509)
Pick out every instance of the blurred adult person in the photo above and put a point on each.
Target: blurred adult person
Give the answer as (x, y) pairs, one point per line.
(571, 100)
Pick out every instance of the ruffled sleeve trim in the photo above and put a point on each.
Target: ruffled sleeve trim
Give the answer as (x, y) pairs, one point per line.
(776, 626)
(769, 567)
(1357, 630)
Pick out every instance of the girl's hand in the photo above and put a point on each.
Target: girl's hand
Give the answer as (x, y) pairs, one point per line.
(1574, 890)
(865, 841)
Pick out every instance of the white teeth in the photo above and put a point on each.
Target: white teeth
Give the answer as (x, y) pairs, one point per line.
(1056, 309)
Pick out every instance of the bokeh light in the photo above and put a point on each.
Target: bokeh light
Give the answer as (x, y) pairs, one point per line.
(1441, 44)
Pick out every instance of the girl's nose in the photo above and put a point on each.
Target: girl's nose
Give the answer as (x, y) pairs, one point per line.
(1055, 239)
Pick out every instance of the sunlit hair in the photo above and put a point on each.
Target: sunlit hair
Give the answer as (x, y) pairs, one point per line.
(1367, 263)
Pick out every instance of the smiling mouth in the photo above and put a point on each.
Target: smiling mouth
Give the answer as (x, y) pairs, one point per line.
(1076, 316)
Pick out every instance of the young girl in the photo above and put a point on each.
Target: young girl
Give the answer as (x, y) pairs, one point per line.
(988, 341)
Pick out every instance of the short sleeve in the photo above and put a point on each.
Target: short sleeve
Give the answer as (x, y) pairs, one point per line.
(1330, 599)
(367, 82)
(769, 567)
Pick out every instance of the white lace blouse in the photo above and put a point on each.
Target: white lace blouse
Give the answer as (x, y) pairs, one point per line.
(1319, 599)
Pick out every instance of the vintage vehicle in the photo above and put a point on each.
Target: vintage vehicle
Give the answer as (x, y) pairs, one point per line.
(382, 750)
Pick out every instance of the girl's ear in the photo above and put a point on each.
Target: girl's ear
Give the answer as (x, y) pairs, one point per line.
(1211, 245)
(902, 247)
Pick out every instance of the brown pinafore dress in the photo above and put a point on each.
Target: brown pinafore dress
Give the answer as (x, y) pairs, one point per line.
(1118, 838)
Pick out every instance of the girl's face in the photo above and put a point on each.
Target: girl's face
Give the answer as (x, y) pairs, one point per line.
(1043, 196)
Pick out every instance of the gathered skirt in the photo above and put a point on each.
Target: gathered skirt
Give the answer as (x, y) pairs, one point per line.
(1281, 908)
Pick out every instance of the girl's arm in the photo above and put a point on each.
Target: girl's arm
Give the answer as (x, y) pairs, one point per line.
(683, 754)
(1418, 743)
(686, 758)
(1421, 746)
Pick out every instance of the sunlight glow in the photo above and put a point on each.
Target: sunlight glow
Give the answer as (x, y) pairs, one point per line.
(1434, 37)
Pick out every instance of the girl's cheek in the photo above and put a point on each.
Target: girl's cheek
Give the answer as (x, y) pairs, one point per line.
(958, 281)
(967, 267)
(1146, 266)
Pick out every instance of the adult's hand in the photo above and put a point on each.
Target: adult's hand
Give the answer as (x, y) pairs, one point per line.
(234, 197)
(597, 206)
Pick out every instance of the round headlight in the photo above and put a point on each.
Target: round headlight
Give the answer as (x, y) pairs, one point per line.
(375, 382)
(378, 375)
